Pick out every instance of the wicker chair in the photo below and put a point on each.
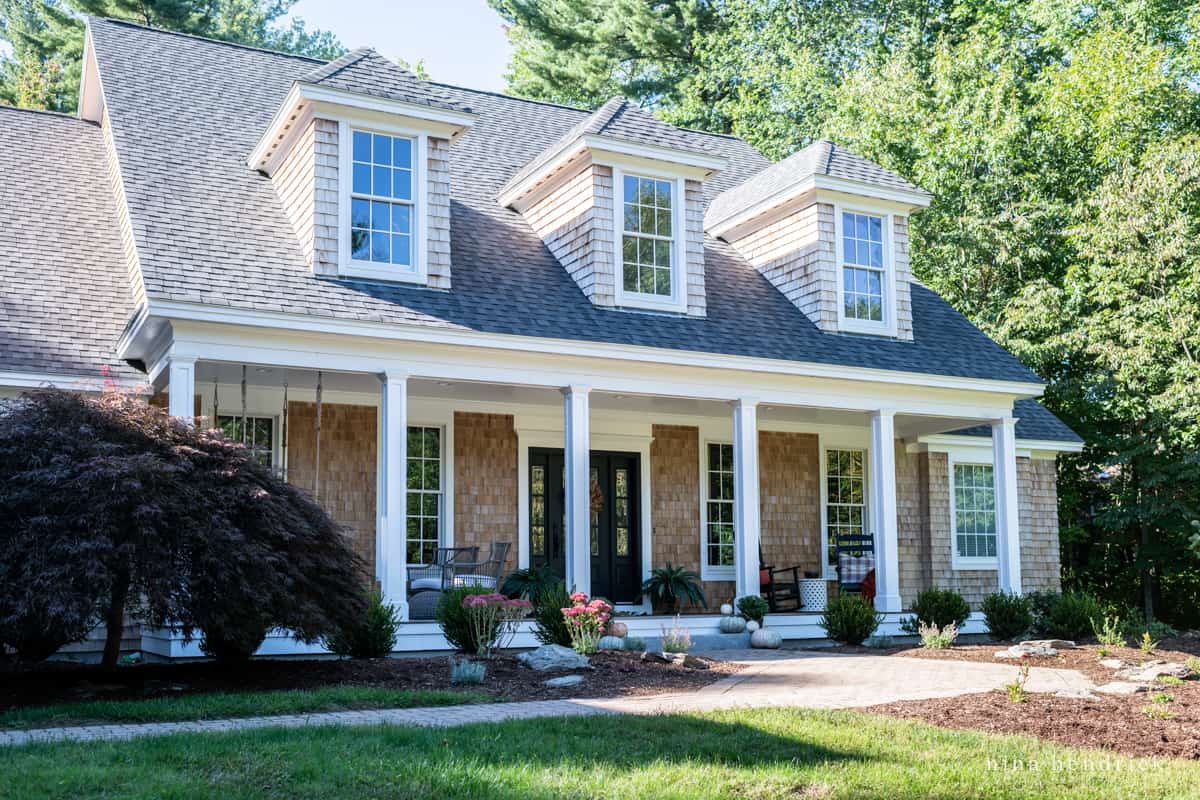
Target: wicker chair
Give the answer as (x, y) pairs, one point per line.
(484, 573)
(426, 581)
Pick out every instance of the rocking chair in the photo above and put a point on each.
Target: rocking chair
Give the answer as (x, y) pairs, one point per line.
(780, 586)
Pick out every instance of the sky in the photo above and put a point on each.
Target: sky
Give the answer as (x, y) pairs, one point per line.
(461, 41)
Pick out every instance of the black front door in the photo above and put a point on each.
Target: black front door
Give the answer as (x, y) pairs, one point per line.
(615, 529)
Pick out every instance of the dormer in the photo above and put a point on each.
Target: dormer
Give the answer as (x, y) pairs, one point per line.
(359, 153)
(617, 200)
(830, 230)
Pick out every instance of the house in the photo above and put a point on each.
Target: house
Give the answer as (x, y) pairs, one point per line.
(461, 318)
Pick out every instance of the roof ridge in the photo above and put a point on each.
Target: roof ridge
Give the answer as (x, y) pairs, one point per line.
(330, 68)
(209, 39)
(47, 113)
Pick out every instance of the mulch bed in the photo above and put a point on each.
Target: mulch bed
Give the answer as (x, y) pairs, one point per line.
(1107, 722)
(1110, 722)
(614, 674)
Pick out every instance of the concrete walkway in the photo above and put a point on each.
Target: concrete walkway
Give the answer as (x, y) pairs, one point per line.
(771, 679)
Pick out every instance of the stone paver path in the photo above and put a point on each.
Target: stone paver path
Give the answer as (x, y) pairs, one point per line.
(771, 679)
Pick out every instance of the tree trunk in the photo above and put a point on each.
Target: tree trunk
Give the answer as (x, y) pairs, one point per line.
(114, 625)
(1147, 577)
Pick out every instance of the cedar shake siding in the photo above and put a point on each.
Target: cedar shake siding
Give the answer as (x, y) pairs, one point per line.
(675, 504)
(790, 499)
(1037, 498)
(913, 512)
(693, 226)
(438, 220)
(349, 450)
(485, 483)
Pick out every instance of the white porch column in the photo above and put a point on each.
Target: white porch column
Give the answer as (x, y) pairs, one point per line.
(577, 488)
(1008, 534)
(181, 388)
(746, 512)
(393, 552)
(883, 511)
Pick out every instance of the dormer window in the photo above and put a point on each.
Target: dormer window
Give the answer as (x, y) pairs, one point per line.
(650, 242)
(865, 269)
(381, 199)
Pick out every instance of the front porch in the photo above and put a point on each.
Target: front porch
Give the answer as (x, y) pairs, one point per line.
(708, 483)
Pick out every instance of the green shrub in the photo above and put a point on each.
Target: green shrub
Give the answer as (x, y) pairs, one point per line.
(1109, 632)
(849, 619)
(549, 624)
(531, 582)
(1135, 625)
(940, 607)
(1040, 604)
(1070, 616)
(234, 643)
(1007, 615)
(452, 618)
(752, 607)
(373, 637)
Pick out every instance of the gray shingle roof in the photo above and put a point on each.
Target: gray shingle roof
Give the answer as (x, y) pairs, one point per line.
(1034, 421)
(621, 120)
(65, 297)
(211, 230)
(822, 157)
(366, 72)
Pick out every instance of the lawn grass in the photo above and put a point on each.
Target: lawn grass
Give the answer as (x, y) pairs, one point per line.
(759, 753)
(224, 705)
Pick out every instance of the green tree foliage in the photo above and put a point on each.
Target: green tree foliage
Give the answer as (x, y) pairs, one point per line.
(46, 38)
(1057, 137)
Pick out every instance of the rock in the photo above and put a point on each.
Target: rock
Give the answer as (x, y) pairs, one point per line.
(553, 657)
(1113, 663)
(1122, 687)
(1026, 649)
(1075, 694)
(1053, 644)
(565, 680)
(692, 662)
(653, 657)
(1151, 670)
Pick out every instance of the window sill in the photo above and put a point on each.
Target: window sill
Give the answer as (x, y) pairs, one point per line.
(371, 271)
(635, 302)
(846, 325)
(708, 573)
(966, 564)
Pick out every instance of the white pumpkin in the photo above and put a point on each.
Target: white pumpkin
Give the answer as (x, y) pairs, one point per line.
(766, 639)
(611, 643)
(732, 624)
(726, 609)
(617, 629)
(752, 626)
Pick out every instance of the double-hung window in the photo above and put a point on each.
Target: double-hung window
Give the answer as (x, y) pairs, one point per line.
(845, 499)
(424, 493)
(974, 508)
(718, 509)
(649, 252)
(259, 435)
(863, 251)
(382, 206)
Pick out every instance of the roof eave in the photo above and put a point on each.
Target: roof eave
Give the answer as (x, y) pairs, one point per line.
(303, 96)
(700, 165)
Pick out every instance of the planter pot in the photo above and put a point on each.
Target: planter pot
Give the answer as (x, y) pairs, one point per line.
(766, 639)
(726, 609)
(611, 643)
(732, 624)
(752, 626)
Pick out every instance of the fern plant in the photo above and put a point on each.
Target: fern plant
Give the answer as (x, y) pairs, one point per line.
(668, 586)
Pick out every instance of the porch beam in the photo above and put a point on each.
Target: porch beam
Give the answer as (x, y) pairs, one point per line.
(577, 488)
(746, 511)
(392, 570)
(883, 496)
(181, 388)
(1008, 533)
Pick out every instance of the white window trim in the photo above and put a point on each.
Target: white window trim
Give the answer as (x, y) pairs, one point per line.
(888, 327)
(677, 302)
(710, 572)
(829, 571)
(276, 444)
(958, 562)
(347, 265)
(446, 492)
